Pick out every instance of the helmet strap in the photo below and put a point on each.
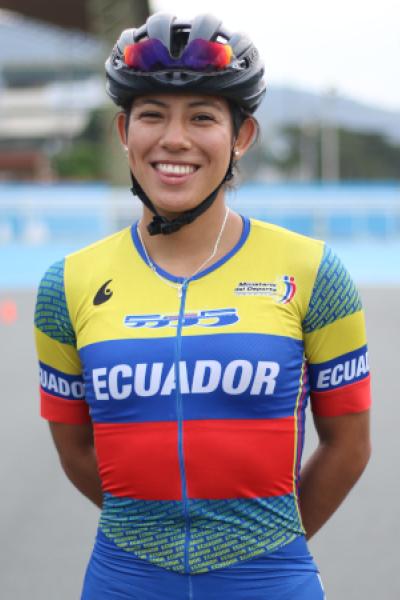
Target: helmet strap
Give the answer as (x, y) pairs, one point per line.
(160, 224)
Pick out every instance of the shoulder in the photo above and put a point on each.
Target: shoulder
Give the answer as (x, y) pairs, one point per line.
(279, 238)
(99, 252)
(292, 253)
(51, 311)
(94, 262)
(328, 291)
(66, 280)
(334, 294)
(85, 261)
(87, 257)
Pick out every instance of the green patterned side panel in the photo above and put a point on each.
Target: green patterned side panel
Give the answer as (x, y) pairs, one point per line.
(221, 532)
(224, 532)
(334, 295)
(152, 530)
(51, 313)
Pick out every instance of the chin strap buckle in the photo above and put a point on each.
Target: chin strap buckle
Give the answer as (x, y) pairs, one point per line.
(162, 225)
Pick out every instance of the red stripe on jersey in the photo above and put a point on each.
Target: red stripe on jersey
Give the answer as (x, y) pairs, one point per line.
(352, 398)
(139, 460)
(60, 410)
(237, 458)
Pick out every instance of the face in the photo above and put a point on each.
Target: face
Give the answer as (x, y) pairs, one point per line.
(179, 147)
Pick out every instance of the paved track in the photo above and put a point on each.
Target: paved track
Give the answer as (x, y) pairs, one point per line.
(47, 528)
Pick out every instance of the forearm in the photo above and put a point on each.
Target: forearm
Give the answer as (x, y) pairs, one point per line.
(82, 471)
(326, 479)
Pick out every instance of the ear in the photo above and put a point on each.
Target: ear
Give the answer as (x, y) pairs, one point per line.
(121, 127)
(246, 136)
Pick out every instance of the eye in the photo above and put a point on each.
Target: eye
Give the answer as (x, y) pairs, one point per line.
(151, 115)
(203, 117)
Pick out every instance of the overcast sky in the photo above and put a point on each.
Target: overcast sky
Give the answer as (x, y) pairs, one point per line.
(350, 45)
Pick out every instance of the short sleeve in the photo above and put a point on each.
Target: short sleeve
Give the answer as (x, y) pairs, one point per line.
(335, 342)
(62, 392)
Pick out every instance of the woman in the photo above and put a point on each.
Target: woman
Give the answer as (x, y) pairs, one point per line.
(187, 347)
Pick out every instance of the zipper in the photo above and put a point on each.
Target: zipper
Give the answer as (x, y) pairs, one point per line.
(179, 412)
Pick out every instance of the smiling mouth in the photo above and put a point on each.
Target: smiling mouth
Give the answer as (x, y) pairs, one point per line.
(175, 169)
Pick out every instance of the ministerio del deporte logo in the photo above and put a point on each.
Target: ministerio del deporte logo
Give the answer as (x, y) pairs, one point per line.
(282, 290)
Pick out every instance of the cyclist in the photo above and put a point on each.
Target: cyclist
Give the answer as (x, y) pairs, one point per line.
(177, 356)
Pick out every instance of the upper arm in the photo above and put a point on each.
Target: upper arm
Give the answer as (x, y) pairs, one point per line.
(335, 344)
(351, 430)
(347, 438)
(71, 441)
(61, 382)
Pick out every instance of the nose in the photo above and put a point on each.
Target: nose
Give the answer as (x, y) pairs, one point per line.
(175, 136)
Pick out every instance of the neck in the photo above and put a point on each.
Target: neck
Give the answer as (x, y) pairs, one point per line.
(182, 252)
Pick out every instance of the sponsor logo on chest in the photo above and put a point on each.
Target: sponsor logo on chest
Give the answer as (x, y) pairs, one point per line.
(282, 290)
(220, 317)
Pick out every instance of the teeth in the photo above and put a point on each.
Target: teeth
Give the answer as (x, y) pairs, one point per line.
(175, 169)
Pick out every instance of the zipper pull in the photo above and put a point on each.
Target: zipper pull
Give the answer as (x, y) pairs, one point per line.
(183, 287)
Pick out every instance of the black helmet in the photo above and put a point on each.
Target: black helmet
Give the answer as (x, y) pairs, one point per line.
(241, 81)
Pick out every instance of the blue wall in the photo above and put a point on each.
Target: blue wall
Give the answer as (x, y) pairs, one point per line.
(41, 223)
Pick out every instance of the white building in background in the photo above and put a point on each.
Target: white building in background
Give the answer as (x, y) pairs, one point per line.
(49, 84)
(52, 79)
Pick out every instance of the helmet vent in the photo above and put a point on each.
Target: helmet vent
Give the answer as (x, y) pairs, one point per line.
(221, 39)
(178, 42)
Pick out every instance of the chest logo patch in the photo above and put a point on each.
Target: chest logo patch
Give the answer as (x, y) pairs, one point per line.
(282, 290)
(219, 317)
(103, 294)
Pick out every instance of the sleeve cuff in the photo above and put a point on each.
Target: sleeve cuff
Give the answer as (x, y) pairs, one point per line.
(73, 412)
(352, 398)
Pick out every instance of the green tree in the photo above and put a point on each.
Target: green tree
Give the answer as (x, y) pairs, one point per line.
(368, 156)
(80, 158)
(362, 156)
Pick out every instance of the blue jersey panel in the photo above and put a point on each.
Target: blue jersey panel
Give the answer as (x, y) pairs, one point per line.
(235, 376)
(287, 574)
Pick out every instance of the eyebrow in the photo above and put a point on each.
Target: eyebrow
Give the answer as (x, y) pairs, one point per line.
(194, 104)
(212, 103)
(141, 101)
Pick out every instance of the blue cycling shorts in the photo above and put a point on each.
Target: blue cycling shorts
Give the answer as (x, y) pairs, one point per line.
(287, 574)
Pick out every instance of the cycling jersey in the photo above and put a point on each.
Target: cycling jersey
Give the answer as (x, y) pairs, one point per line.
(198, 396)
